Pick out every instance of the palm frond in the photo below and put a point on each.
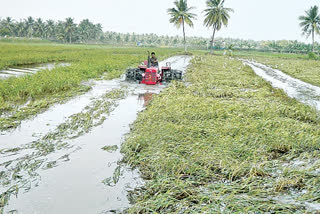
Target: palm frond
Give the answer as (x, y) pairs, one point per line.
(310, 21)
(216, 15)
(181, 13)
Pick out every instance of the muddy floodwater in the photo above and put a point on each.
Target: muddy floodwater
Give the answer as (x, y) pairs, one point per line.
(29, 69)
(295, 88)
(78, 173)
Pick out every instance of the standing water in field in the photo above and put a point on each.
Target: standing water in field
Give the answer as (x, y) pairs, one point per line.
(66, 160)
(31, 69)
(304, 92)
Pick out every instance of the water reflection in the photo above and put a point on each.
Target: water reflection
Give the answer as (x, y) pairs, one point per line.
(145, 98)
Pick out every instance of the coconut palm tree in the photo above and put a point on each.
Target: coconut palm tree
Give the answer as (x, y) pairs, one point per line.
(20, 29)
(181, 15)
(50, 29)
(29, 24)
(39, 28)
(69, 28)
(97, 31)
(60, 31)
(8, 26)
(310, 23)
(85, 30)
(216, 15)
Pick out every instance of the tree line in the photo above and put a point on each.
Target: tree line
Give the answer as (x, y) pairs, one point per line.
(63, 31)
(285, 46)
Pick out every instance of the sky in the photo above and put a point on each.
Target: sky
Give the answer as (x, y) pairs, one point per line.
(252, 19)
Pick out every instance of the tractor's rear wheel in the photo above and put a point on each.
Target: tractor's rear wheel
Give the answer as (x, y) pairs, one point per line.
(170, 75)
(177, 74)
(130, 74)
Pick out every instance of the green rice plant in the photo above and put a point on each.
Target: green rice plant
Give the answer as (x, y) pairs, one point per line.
(312, 55)
(51, 86)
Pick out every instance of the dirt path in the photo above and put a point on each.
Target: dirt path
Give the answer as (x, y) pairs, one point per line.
(295, 88)
(66, 160)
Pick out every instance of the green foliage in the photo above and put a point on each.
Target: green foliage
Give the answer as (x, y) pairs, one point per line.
(225, 143)
(216, 16)
(312, 55)
(63, 31)
(181, 14)
(310, 23)
(53, 86)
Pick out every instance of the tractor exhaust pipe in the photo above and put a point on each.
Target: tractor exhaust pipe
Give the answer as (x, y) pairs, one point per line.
(149, 61)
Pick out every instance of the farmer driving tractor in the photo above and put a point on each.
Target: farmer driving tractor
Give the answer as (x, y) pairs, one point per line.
(149, 73)
(154, 60)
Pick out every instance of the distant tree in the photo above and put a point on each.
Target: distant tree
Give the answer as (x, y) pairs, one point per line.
(216, 15)
(29, 24)
(60, 31)
(118, 37)
(310, 23)
(85, 30)
(64, 31)
(109, 36)
(97, 31)
(181, 15)
(127, 38)
(50, 29)
(7, 26)
(39, 28)
(20, 29)
(69, 28)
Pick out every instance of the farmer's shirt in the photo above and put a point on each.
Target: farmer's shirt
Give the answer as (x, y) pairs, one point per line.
(154, 62)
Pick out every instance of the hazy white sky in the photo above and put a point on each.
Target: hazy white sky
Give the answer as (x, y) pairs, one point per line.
(252, 19)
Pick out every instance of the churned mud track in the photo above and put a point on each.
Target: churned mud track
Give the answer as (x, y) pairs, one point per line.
(66, 160)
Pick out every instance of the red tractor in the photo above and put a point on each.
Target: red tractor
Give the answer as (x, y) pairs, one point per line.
(146, 74)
